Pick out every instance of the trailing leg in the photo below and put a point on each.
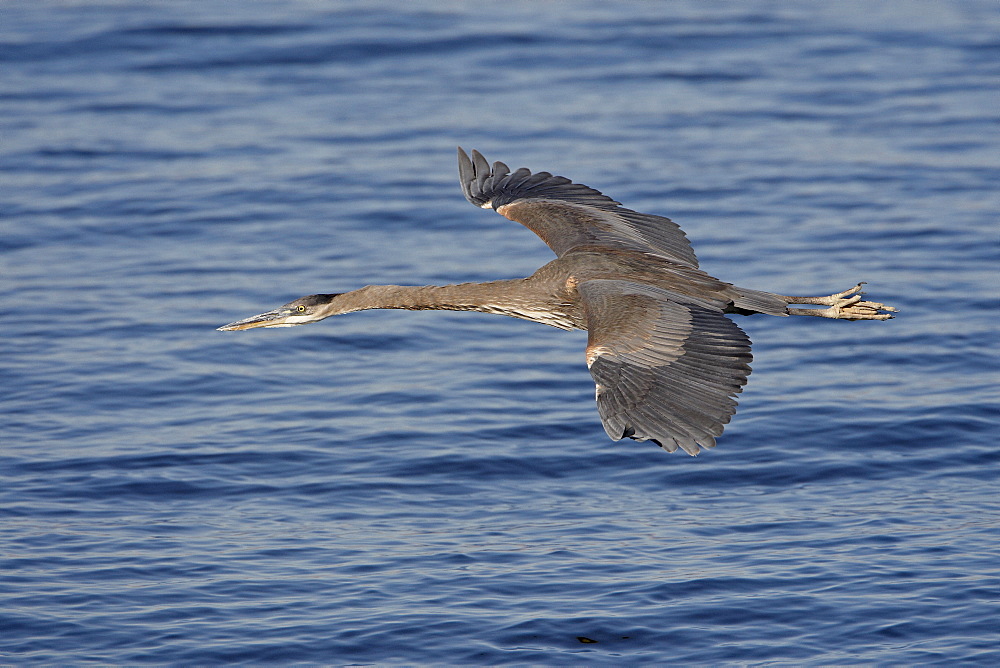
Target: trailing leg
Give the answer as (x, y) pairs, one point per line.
(846, 305)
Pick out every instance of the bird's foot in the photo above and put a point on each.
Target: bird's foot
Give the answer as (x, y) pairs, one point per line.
(846, 305)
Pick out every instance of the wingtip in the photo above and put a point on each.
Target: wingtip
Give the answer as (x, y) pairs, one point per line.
(475, 175)
(466, 173)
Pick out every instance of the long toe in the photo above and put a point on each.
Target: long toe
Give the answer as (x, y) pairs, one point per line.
(868, 311)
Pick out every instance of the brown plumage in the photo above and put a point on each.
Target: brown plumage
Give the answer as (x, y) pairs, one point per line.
(666, 359)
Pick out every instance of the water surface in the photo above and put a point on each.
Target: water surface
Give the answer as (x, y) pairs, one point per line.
(433, 488)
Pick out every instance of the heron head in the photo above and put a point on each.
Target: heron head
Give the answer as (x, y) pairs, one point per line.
(301, 311)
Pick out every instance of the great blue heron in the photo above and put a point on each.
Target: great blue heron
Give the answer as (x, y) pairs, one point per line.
(666, 359)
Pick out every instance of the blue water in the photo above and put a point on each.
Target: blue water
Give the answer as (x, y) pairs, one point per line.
(436, 488)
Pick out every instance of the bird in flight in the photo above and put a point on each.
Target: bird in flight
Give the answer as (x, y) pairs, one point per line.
(666, 359)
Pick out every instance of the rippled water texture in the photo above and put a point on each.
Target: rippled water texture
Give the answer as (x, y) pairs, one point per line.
(413, 488)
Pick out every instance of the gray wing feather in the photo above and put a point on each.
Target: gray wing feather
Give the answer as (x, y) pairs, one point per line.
(667, 369)
(495, 185)
(573, 214)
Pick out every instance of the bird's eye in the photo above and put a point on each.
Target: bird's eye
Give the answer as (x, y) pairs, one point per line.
(300, 308)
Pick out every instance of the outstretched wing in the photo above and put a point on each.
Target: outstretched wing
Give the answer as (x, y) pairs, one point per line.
(667, 367)
(567, 215)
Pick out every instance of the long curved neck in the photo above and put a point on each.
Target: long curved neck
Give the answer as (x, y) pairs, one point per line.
(518, 298)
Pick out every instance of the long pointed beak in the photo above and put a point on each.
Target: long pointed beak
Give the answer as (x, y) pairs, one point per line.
(275, 318)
